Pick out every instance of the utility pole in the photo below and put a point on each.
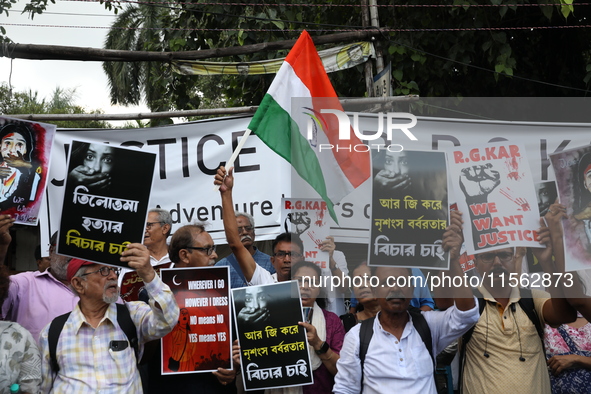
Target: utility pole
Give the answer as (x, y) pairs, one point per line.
(368, 71)
(373, 11)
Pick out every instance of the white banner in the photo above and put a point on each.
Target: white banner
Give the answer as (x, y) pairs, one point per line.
(188, 155)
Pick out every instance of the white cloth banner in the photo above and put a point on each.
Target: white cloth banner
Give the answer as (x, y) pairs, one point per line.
(188, 155)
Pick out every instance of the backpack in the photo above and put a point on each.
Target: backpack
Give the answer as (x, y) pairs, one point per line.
(56, 326)
(418, 321)
(526, 303)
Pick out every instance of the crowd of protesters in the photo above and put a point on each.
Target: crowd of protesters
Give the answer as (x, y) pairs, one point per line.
(390, 341)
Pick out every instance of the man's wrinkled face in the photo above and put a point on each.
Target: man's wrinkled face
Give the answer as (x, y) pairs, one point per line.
(245, 231)
(97, 285)
(155, 231)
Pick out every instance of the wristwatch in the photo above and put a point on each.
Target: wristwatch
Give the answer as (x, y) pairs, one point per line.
(323, 349)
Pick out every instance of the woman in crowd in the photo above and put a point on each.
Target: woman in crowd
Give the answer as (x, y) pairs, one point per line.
(568, 348)
(20, 361)
(364, 295)
(325, 333)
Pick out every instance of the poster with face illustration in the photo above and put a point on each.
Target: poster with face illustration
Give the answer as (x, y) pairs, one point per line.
(273, 346)
(26, 150)
(409, 209)
(573, 178)
(106, 201)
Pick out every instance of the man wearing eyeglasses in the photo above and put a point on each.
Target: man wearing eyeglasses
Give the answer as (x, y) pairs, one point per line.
(190, 246)
(505, 353)
(93, 352)
(246, 229)
(157, 231)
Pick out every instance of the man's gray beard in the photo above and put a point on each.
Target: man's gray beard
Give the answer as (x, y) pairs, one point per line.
(111, 299)
(59, 266)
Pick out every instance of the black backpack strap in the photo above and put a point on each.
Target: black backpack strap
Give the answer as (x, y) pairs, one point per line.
(53, 336)
(128, 327)
(526, 302)
(420, 324)
(365, 334)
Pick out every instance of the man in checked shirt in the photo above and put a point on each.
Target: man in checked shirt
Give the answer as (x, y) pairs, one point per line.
(87, 358)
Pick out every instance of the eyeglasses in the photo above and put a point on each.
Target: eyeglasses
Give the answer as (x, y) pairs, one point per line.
(105, 271)
(245, 228)
(282, 253)
(488, 258)
(208, 251)
(150, 224)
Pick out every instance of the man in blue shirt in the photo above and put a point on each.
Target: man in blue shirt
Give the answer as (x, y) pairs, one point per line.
(245, 223)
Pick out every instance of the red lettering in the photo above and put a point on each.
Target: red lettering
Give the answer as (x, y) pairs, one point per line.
(311, 254)
(288, 204)
(490, 153)
(503, 153)
(458, 157)
(514, 151)
(497, 223)
(482, 224)
(481, 209)
(475, 155)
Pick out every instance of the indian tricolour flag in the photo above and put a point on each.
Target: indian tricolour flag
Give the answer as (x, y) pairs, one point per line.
(284, 127)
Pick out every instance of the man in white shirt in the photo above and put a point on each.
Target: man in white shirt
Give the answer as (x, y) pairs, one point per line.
(397, 359)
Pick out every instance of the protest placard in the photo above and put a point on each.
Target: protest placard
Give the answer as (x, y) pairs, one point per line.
(131, 285)
(106, 201)
(201, 340)
(409, 209)
(572, 169)
(273, 347)
(309, 219)
(25, 149)
(494, 189)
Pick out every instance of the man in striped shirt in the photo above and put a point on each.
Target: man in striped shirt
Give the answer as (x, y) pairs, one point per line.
(93, 352)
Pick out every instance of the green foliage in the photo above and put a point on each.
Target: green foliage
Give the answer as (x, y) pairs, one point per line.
(61, 102)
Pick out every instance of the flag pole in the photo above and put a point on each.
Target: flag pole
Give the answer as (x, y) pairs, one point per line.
(230, 162)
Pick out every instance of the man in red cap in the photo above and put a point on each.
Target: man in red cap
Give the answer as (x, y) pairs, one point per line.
(93, 351)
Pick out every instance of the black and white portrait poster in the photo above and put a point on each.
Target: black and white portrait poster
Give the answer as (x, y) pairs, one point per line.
(494, 189)
(201, 340)
(273, 347)
(106, 199)
(572, 169)
(409, 209)
(25, 156)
